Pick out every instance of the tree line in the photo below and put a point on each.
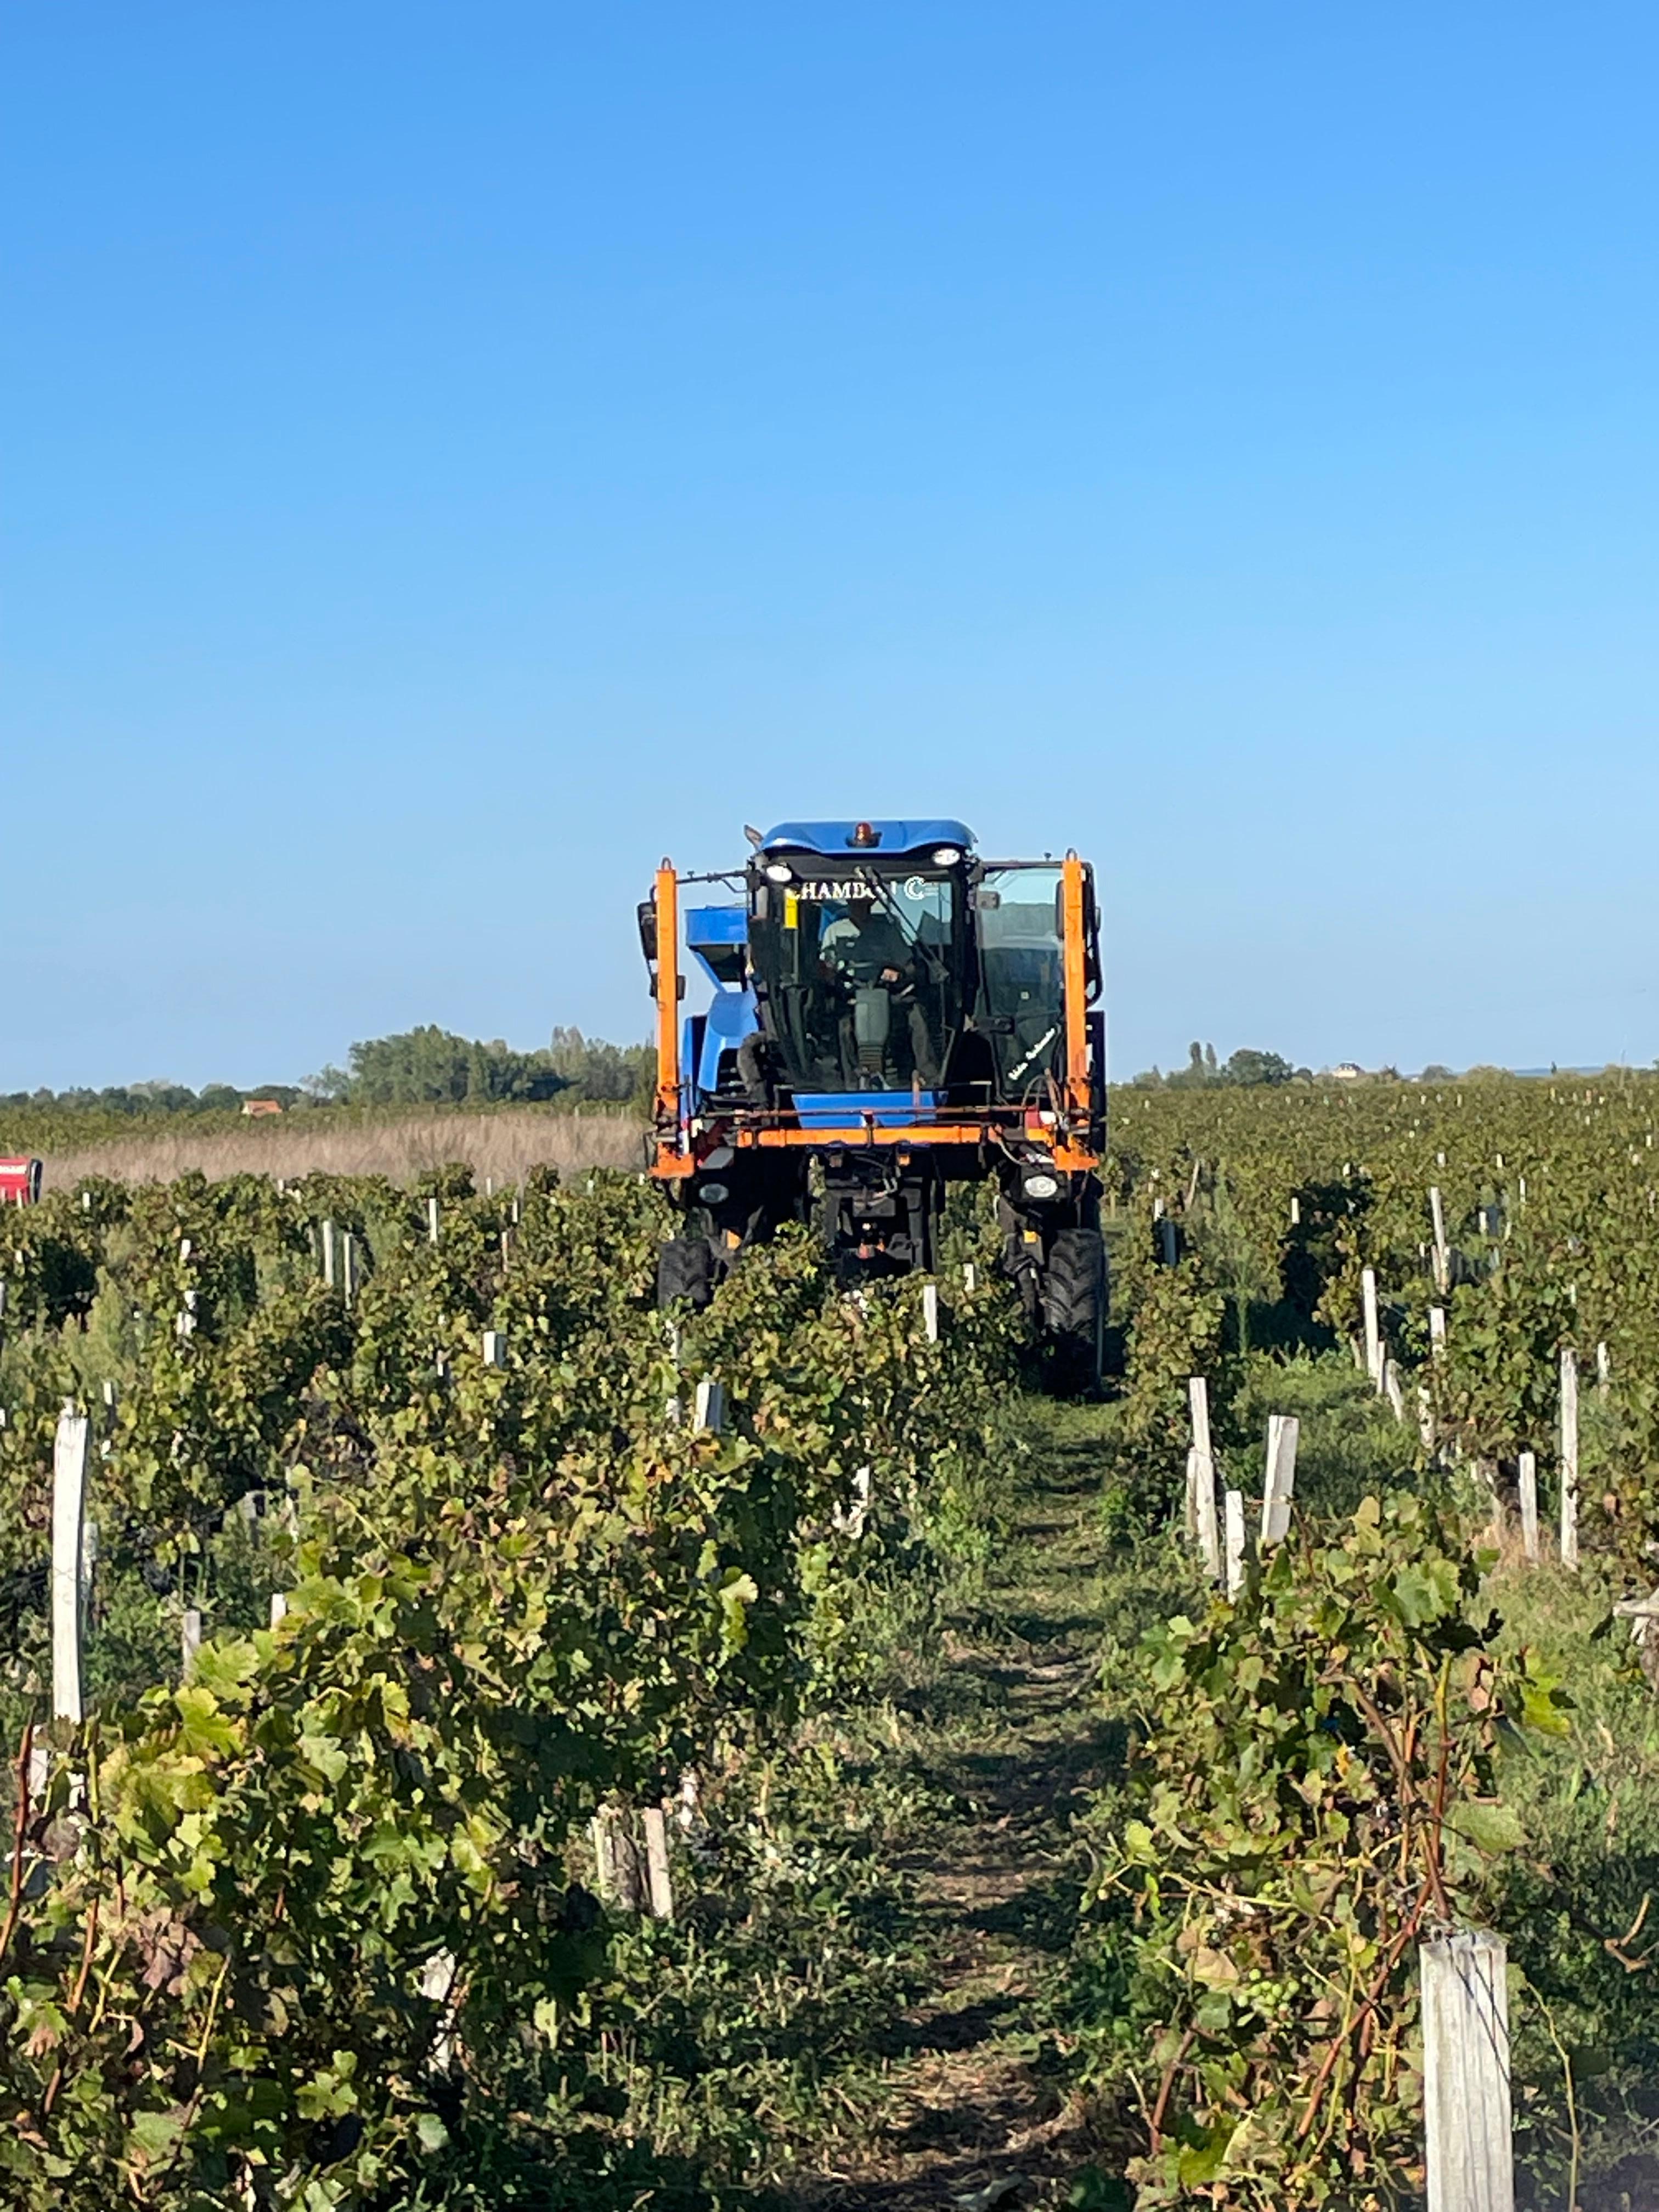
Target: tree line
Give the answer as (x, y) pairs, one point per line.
(424, 1067)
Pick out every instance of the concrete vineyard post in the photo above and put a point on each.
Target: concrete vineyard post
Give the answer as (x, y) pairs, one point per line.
(278, 1608)
(190, 1639)
(1568, 1457)
(1373, 1329)
(1233, 1508)
(1442, 1251)
(494, 1348)
(1527, 1482)
(709, 1410)
(1468, 2124)
(1279, 1481)
(68, 1480)
(1204, 1521)
(1391, 1389)
(328, 1254)
(658, 1879)
(930, 1312)
(348, 1264)
(431, 1221)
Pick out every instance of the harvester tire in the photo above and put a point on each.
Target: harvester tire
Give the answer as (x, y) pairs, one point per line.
(685, 1269)
(1074, 1307)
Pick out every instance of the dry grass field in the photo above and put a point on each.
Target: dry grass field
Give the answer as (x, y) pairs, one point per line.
(502, 1145)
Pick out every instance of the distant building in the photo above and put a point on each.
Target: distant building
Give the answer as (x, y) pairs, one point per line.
(262, 1106)
(1345, 1071)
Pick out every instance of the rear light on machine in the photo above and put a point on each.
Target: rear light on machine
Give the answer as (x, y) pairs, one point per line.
(20, 1182)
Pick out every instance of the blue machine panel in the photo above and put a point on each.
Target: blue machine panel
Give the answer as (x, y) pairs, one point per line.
(888, 1110)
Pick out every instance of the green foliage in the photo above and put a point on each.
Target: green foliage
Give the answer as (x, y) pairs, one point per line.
(514, 1594)
(1316, 1790)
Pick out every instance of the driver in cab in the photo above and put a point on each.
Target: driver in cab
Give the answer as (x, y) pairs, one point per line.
(866, 945)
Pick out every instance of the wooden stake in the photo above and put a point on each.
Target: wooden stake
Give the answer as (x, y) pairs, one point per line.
(68, 1477)
(1526, 1481)
(1569, 1456)
(1466, 2073)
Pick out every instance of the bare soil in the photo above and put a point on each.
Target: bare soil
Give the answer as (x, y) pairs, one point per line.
(1009, 1726)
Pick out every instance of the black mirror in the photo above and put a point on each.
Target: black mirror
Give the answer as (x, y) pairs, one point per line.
(647, 921)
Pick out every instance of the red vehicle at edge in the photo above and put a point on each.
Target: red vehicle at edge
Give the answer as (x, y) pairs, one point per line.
(20, 1182)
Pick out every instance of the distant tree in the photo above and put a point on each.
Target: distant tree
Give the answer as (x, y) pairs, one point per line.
(1209, 1068)
(218, 1097)
(1435, 1074)
(434, 1066)
(1248, 1068)
(606, 1074)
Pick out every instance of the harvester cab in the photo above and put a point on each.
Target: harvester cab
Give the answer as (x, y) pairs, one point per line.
(891, 1013)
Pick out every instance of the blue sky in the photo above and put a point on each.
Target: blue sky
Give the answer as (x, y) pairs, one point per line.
(456, 455)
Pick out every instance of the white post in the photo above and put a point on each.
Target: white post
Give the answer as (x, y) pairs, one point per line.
(1392, 1389)
(1233, 1508)
(1442, 1253)
(1373, 1329)
(328, 1254)
(1527, 1480)
(1278, 1479)
(969, 1277)
(68, 1481)
(278, 1608)
(348, 1264)
(190, 1637)
(930, 1311)
(1203, 1475)
(1437, 1331)
(1569, 1456)
(659, 1878)
(1203, 1519)
(1467, 2125)
(709, 1411)
(1603, 1370)
(431, 1221)
(494, 1348)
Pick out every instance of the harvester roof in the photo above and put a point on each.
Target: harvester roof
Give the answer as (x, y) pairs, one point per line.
(836, 837)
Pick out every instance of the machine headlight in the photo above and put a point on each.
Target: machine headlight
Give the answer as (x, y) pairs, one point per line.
(712, 1194)
(778, 872)
(1041, 1182)
(947, 856)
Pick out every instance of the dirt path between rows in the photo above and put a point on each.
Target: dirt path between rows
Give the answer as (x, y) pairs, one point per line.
(1011, 1730)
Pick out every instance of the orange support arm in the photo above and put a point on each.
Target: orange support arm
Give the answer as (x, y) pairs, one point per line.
(1077, 986)
(670, 1159)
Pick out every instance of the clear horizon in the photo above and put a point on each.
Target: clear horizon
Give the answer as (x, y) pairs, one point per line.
(455, 459)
